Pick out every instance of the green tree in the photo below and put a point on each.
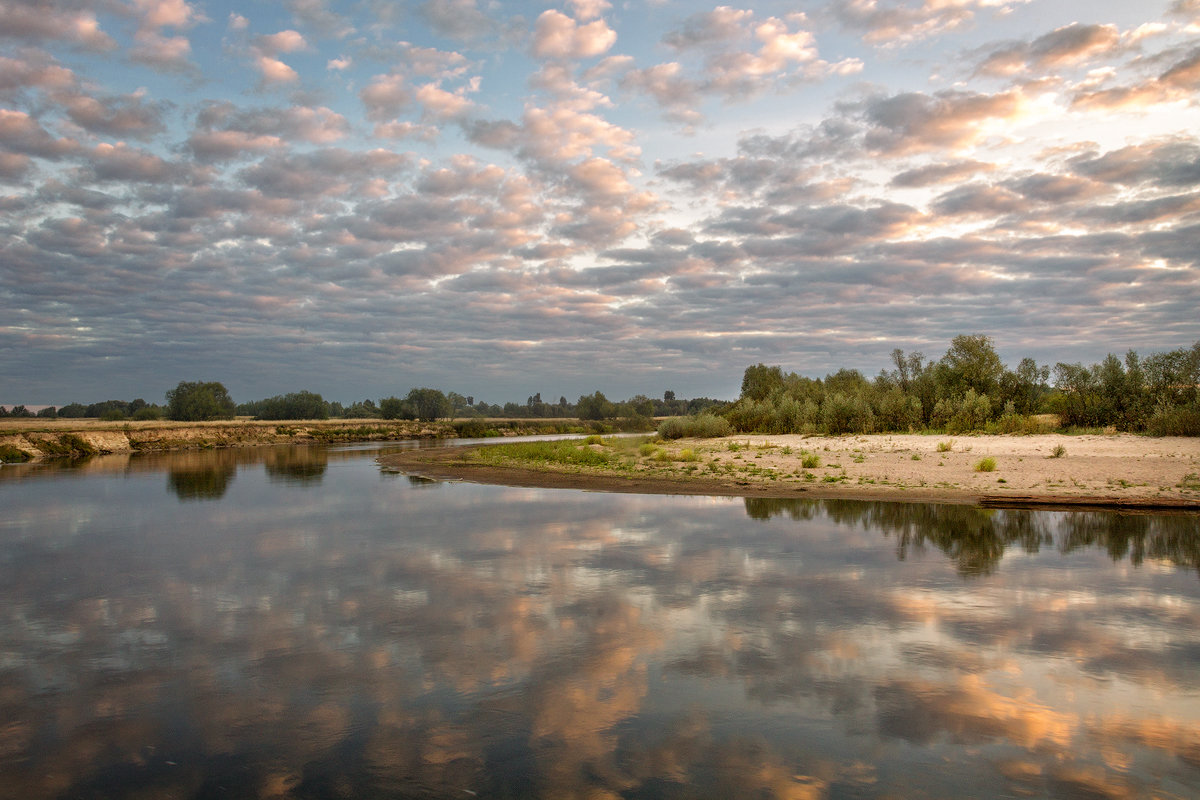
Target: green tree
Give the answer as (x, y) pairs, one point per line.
(196, 401)
(970, 363)
(428, 404)
(395, 408)
(760, 381)
(595, 406)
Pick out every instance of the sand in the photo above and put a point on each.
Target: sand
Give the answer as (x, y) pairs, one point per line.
(1119, 470)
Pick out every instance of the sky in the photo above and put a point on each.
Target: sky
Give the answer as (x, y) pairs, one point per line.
(505, 198)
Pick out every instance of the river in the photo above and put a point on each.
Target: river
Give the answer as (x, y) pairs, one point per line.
(297, 622)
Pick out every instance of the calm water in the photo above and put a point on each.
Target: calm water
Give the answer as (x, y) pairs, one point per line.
(296, 623)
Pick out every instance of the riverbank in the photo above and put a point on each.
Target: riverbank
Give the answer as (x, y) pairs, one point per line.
(33, 440)
(1112, 471)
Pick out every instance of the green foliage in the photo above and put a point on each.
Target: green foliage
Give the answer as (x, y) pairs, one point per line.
(295, 405)
(810, 461)
(12, 455)
(113, 415)
(148, 413)
(945, 447)
(986, 465)
(196, 401)
(1174, 421)
(1058, 452)
(428, 404)
(395, 408)
(701, 426)
(564, 452)
(595, 406)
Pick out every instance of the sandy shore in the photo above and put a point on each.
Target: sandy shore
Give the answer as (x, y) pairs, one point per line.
(1107, 471)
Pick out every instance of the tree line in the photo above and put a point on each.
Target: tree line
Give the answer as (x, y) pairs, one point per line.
(200, 401)
(970, 389)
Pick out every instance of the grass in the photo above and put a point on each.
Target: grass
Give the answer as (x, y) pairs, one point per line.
(1058, 452)
(564, 452)
(985, 465)
(945, 447)
(811, 461)
(1190, 481)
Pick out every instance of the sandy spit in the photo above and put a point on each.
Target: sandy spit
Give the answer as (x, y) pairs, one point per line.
(1114, 471)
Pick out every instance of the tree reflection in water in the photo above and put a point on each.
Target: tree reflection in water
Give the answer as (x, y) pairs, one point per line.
(976, 538)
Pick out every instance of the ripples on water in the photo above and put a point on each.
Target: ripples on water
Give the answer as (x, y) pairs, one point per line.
(295, 622)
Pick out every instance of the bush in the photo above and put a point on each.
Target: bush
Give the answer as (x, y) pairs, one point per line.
(1174, 421)
(986, 465)
(811, 461)
(701, 426)
(12, 455)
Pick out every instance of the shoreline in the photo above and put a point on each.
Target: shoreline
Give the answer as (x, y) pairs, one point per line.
(1109, 472)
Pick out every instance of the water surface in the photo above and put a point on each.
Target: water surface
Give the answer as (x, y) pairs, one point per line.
(294, 622)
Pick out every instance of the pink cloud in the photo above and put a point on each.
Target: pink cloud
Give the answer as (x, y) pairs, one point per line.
(558, 36)
(35, 21)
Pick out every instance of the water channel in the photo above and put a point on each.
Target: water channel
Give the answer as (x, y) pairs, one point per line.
(297, 622)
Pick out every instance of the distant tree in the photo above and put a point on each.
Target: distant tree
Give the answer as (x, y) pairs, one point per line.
(72, 410)
(429, 404)
(49, 412)
(365, 409)
(395, 408)
(669, 396)
(294, 405)
(19, 411)
(195, 401)
(595, 406)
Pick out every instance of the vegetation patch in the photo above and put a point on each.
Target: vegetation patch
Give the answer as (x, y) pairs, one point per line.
(700, 426)
(570, 453)
(1058, 452)
(12, 455)
(985, 465)
(811, 461)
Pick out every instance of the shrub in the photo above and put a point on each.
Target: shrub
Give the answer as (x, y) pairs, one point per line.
(12, 455)
(986, 465)
(946, 446)
(1174, 421)
(810, 461)
(700, 426)
(1058, 452)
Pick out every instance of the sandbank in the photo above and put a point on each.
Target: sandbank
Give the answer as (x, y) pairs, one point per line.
(1121, 471)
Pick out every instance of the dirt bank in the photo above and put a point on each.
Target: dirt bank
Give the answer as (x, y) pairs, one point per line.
(55, 438)
(1045, 470)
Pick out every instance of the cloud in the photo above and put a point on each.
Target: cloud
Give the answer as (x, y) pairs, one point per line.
(933, 174)
(589, 9)
(265, 49)
(21, 133)
(1063, 47)
(33, 21)
(951, 120)
(458, 19)
(223, 131)
(731, 67)
(558, 36)
(118, 115)
(330, 172)
(890, 23)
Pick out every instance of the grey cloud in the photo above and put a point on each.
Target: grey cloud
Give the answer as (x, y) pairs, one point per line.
(117, 115)
(1166, 163)
(978, 199)
(1066, 46)
(458, 19)
(331, 171)
(37, 20)
(933, 174)
(1057, 188)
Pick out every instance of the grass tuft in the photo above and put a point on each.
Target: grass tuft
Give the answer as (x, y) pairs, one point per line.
(985, 465)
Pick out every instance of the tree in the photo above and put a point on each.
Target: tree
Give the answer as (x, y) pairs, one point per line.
(595, 406)
(759, 381)
(970, 363)
(196, 401)
(428, 404)
(395, 408)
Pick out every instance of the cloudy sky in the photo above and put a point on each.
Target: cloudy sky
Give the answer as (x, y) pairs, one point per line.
(501, 198)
